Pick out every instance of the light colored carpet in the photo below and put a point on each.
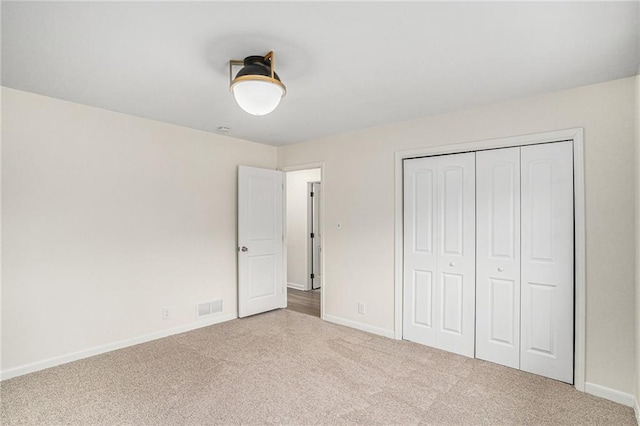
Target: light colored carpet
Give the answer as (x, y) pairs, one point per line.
(286, 367)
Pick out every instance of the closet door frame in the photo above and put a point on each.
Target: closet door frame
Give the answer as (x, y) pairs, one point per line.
(574, 135)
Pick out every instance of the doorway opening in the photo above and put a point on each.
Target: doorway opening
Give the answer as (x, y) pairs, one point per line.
(304, 240)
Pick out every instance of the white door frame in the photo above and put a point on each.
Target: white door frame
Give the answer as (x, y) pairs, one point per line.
(295, 168)
(575, 135)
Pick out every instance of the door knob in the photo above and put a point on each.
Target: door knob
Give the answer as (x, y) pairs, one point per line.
(243, 249)
(452, 264)
(500, 269)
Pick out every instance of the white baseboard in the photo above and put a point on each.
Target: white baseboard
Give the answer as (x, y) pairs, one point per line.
(611, 394)
(97, 350)
(297, 286)
(360, 326)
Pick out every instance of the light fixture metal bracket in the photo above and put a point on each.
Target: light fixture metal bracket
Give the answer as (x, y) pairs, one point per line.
(268, 58)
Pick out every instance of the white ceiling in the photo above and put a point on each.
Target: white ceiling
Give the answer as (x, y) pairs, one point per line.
(347, 66)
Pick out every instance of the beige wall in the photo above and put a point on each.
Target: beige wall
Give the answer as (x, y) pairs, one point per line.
(108, 218)
(297, 226)
(358, 184)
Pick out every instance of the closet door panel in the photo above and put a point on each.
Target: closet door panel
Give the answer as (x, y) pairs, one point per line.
(547, 260)
(455, 284)
(498, 256)
(419, 250)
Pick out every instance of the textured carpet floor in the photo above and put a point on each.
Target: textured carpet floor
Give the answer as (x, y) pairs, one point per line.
(286, 367)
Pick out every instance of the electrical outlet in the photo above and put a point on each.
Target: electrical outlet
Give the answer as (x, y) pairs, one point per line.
(361, 308)
(166, 313)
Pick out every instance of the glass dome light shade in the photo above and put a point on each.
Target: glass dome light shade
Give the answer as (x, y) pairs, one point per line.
(257, 96)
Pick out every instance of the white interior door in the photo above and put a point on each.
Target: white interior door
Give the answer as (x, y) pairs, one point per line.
(316, 239)
(439, 252)
(498, 256)
(547, 260)
(261, 276)
(419, 295)
(456, 283)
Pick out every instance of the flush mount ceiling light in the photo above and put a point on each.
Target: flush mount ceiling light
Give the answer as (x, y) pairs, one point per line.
(257, 88)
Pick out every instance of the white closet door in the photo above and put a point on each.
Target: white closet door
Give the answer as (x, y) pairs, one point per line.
(419, 312)
(455, 284)
(439, 252)
(498, 256)
(547, 260)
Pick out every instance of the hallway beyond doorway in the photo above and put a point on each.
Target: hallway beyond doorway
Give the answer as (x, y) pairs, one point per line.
(305, 302)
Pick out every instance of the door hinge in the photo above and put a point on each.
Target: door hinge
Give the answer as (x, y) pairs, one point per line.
(313, 276)
(311, 194)
(313, 235)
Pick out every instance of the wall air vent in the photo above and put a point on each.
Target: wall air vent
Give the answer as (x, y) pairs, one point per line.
(205, 309)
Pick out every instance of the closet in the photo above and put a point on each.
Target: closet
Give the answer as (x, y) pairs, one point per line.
(489, 257)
